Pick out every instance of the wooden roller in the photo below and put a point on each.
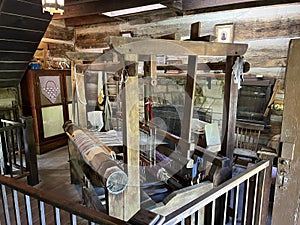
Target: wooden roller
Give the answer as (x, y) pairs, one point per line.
(113, 178)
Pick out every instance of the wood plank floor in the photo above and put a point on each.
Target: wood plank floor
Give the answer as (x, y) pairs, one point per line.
(54, 175)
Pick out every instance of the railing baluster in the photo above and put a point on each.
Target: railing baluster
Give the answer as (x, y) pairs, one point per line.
(42, 213)
(16, 206)
(199, 217)
(236, 204)
(73, 219)
(5, 204)
(10, 138)
(8, 150)
(193, 218)
(213, 210)
(254, 199)
(246, 201)
(28, 210)
(261, 196)
(19, 146)
(57, 216)
(207, 198)
(225, 208)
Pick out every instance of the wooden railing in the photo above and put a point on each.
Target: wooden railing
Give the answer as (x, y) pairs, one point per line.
(236, 201)
(23, 204)
(17, 149)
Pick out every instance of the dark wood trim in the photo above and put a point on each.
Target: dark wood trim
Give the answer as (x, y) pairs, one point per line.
(192, 7)
(29, 149)
(189, 99)
(229, 110)
(32, 106)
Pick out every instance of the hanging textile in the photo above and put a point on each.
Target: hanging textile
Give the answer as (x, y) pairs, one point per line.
(107, 115)
(238, 71)
(50, 87)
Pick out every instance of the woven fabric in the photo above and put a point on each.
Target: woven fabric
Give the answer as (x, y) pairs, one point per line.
(50, 87)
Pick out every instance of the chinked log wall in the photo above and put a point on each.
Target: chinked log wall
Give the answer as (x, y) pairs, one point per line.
(267, 30)
(58, 39)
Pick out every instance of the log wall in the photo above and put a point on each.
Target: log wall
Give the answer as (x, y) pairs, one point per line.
(267, 30)
(58, 39)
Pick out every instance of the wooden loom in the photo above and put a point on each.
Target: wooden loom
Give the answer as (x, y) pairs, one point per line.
(129, 51)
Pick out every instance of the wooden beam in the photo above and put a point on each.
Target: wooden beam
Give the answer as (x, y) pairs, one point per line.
(191, 5)
(83, 56)
(217, 160)
(189, 98)
(217, 5)
(98, 7)
(173, 36)
(109, 66)
(143, 46)
(185, 146)
(130, 114)
(87, 20)
(229, 110)
(202, 66)
(81, 99)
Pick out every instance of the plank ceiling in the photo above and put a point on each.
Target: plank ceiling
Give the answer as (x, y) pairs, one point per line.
(22, 26)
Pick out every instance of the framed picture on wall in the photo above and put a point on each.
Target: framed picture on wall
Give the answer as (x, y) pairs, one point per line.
(224, 33)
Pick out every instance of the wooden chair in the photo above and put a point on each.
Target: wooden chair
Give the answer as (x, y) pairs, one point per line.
(246, 142)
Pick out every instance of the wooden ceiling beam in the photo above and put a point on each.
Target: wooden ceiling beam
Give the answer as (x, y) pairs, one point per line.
(87, 20)
(86, 8)
(192, 5)
(217, 5)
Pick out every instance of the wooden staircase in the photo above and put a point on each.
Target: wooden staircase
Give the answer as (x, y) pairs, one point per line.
(22, 26)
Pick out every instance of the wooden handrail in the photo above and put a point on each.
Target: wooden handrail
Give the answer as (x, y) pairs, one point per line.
(76, 209)
(11, 122)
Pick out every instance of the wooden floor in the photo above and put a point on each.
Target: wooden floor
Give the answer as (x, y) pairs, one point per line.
(54, 175)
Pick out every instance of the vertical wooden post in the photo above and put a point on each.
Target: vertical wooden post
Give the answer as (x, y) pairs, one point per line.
(81, 99)
(189, 101)
(131, 139)
(30, 151)
(125, 205)
(73, 92)
(267, 186)
(287, 189)
(3, 150)
(229, 110)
